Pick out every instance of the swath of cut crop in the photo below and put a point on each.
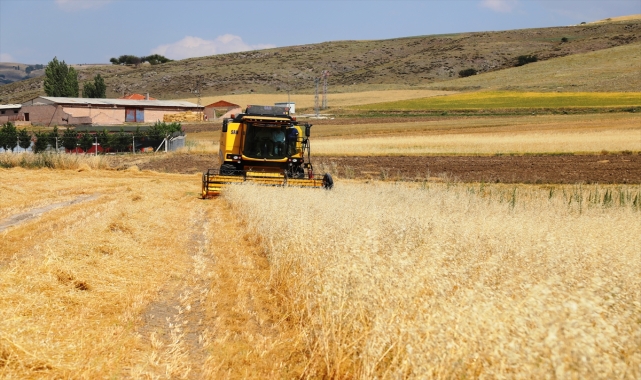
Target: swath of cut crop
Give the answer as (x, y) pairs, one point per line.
(454, 280)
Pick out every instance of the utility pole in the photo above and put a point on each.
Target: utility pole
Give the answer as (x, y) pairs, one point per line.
(200, 116)
(325, 75)
(316, 80)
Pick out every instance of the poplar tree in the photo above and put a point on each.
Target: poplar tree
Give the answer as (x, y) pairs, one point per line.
(60, 79)
(97, 89)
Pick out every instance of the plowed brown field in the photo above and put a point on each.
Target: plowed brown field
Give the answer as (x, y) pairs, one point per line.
(506, 169)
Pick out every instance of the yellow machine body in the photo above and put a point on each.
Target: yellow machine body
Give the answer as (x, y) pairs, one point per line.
(264, 145)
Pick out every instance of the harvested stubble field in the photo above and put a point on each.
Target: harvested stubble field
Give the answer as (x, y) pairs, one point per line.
(138, 278)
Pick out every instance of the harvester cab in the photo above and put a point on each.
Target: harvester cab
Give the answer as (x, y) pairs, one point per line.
(264, 145)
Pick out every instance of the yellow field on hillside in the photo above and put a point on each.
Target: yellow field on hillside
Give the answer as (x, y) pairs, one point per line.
(333, 100)
(492, 100)
(619, 18)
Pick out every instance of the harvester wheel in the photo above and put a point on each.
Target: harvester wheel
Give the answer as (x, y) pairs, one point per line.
(204, 188)
(328, 182)
(227, 169)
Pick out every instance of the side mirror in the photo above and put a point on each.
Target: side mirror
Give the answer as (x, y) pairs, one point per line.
(308, 129)
(225, 126)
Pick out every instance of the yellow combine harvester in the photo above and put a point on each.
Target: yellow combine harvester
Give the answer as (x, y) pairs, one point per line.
(264, 145)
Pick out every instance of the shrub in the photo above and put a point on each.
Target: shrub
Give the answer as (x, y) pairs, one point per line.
(24, 139)
(86, 141)
(8, 136)
(467, 73)
(525, 59)
(564, 39)
(41, 143)
(69, 139)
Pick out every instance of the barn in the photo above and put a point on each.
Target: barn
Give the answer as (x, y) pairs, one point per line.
(220, 109)
(10, 112)
(49, 110)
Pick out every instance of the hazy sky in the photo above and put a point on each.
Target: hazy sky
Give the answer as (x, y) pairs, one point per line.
(92, 31)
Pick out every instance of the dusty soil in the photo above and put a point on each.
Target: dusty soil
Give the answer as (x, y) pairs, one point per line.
(36, 212)
(505, 169)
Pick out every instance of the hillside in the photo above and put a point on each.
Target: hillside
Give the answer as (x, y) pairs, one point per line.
(13, 72)
(614, 69)
(358, 65)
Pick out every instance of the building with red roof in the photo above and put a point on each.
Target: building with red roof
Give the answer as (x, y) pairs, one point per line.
(220, 109)
(138, 97)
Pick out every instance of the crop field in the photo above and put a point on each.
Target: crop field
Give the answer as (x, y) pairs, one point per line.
(306, 101)
(544, 134)
(457, 281)
(507, 99)
(128, 274)
(484, 143)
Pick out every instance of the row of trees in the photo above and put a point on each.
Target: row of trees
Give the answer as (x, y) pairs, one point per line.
(62, 80)
(154, 59)
(12, 138)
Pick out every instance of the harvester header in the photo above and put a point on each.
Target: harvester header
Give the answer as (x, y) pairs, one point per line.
(264, 145)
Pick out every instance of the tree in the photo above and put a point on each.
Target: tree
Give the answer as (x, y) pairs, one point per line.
(24, 139)
(86, 141)
(8, 136)
(127, 59)
(467, 73)
(41, 143)
(69, 139)
(155, 59)
(120, 141)
(88, 90)
(60, 79)
(161, 130)
(101, 87)
(3, 140)
(97, 89)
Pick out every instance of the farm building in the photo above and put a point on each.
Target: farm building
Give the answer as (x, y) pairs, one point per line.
(138, 97)
(10, 112)
(49, 110)
(221, 109)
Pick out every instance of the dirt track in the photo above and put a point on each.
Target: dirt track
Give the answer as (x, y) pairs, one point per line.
(505, 169)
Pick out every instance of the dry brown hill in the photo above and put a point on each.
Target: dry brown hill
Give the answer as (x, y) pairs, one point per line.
(354, 65)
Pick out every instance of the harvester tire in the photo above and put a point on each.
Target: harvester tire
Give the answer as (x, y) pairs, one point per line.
(204, 187)
(328, 182)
